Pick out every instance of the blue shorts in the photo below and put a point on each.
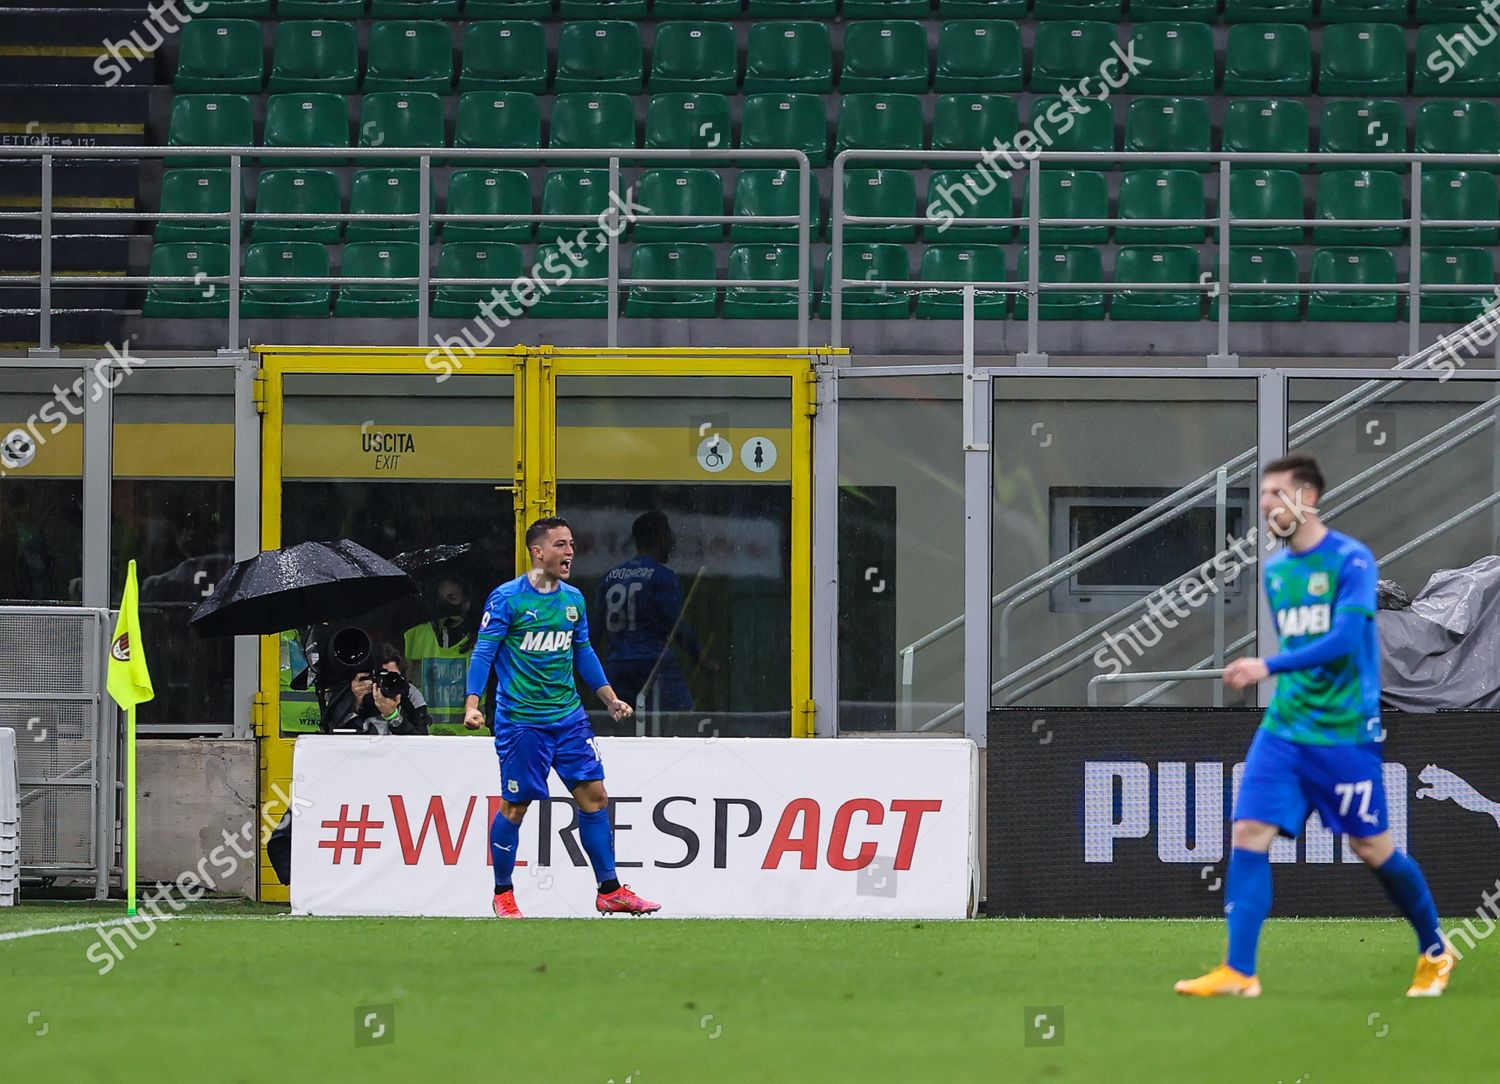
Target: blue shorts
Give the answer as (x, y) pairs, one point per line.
(1286, 780)
(528, 753)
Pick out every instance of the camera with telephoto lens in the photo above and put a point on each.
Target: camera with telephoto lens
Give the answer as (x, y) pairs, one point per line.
(390, 683)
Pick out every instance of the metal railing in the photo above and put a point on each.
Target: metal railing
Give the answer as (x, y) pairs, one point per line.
(47, 217)
(1219, 284)
(1158, 675)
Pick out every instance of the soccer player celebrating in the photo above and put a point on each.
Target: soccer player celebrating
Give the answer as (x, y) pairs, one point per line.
(533, 631)
(1317, 747)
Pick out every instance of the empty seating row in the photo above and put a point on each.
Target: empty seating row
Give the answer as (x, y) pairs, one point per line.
(503, 264)
(888, 55)
(311, 200)
(972, 122)
(1138, 11)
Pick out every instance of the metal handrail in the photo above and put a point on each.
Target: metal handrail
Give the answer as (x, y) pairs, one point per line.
(1156, 675)
(47, 216)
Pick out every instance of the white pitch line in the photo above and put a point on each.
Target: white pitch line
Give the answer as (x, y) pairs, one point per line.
(71, 927)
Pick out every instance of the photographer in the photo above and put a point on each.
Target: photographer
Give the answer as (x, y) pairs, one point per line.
(380, 700)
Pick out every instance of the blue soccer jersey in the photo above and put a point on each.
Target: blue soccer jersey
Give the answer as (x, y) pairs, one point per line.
(641, 601)
(1336, 702)
(531, 640)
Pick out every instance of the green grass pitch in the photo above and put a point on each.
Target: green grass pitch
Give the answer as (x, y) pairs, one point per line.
(242, 992)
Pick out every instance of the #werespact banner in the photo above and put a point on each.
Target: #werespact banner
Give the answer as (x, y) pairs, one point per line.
(712, 828)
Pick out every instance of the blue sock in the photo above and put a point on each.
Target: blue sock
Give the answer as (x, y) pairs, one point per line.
(503, 839)
(1247, 902)
(1408, 890)
(598, 841)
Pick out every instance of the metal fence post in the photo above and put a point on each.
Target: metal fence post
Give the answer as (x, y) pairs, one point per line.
(236, 225)
(1221, 533)
(1224, 357)
(804, 247)
(834, 287)
(424, 245)
(1033, 354)
(1414, 275)
(44, 307)
(612, 236)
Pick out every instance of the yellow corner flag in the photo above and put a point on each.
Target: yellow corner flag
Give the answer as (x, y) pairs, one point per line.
(129, 682)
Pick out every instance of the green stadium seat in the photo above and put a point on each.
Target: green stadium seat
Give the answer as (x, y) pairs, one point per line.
(695, 56)
(880, 193)
(1093, 127)
(1456, 194)
(399, 118)
(499, 262)
(320, 55)
(410, 54)
(1346, 266)
(221, 56)
(1070, 193)
(1064, 52)
(1363, 11)
(978, 55)
(888, 56)
(1261, 125)
(188, 259)
(1457, 267)
(1174, 11)
(592, 119)
(1268, 11)
(1181, 55)
(307, 120)
(384, 192)
(414, 9)
(760, 192)
(1268, 58)
(195, 192)
(1370, 126)
(773, 121)
(1078, 9)
(973, 122)
(962, 263)
(695, 192)
(689, 122)
(748, 263)
(306, 193)
(1265, 194)
(1062, 264)
(697, 9)
(210, 120)
(572, 192)
(320, 9)
(569, 302)
(1459, 126)
(602, 9)
(790, 9)
(1363, 58)
(285, 259)
(488, 192)
(880, 122)
(1461, 68)
(1362, 194)
(504, 55)
(598, 56)
(1161, 193)
(508, 9)
(234, 9)
(1448, 11)
(1169, 124)
(982, 9)
(877, 262)
(1263, 266)
(1157, 265)
(956, 195)
(789, 56)
(507, 119)
(672, 261)
(378, 260)
(886, 9)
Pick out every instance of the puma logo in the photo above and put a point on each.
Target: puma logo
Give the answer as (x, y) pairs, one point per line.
(1443, 785)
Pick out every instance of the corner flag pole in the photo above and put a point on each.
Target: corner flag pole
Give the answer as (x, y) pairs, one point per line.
(129, 683)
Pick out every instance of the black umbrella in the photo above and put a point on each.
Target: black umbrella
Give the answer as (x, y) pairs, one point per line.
(430, 558)
(299, 586)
